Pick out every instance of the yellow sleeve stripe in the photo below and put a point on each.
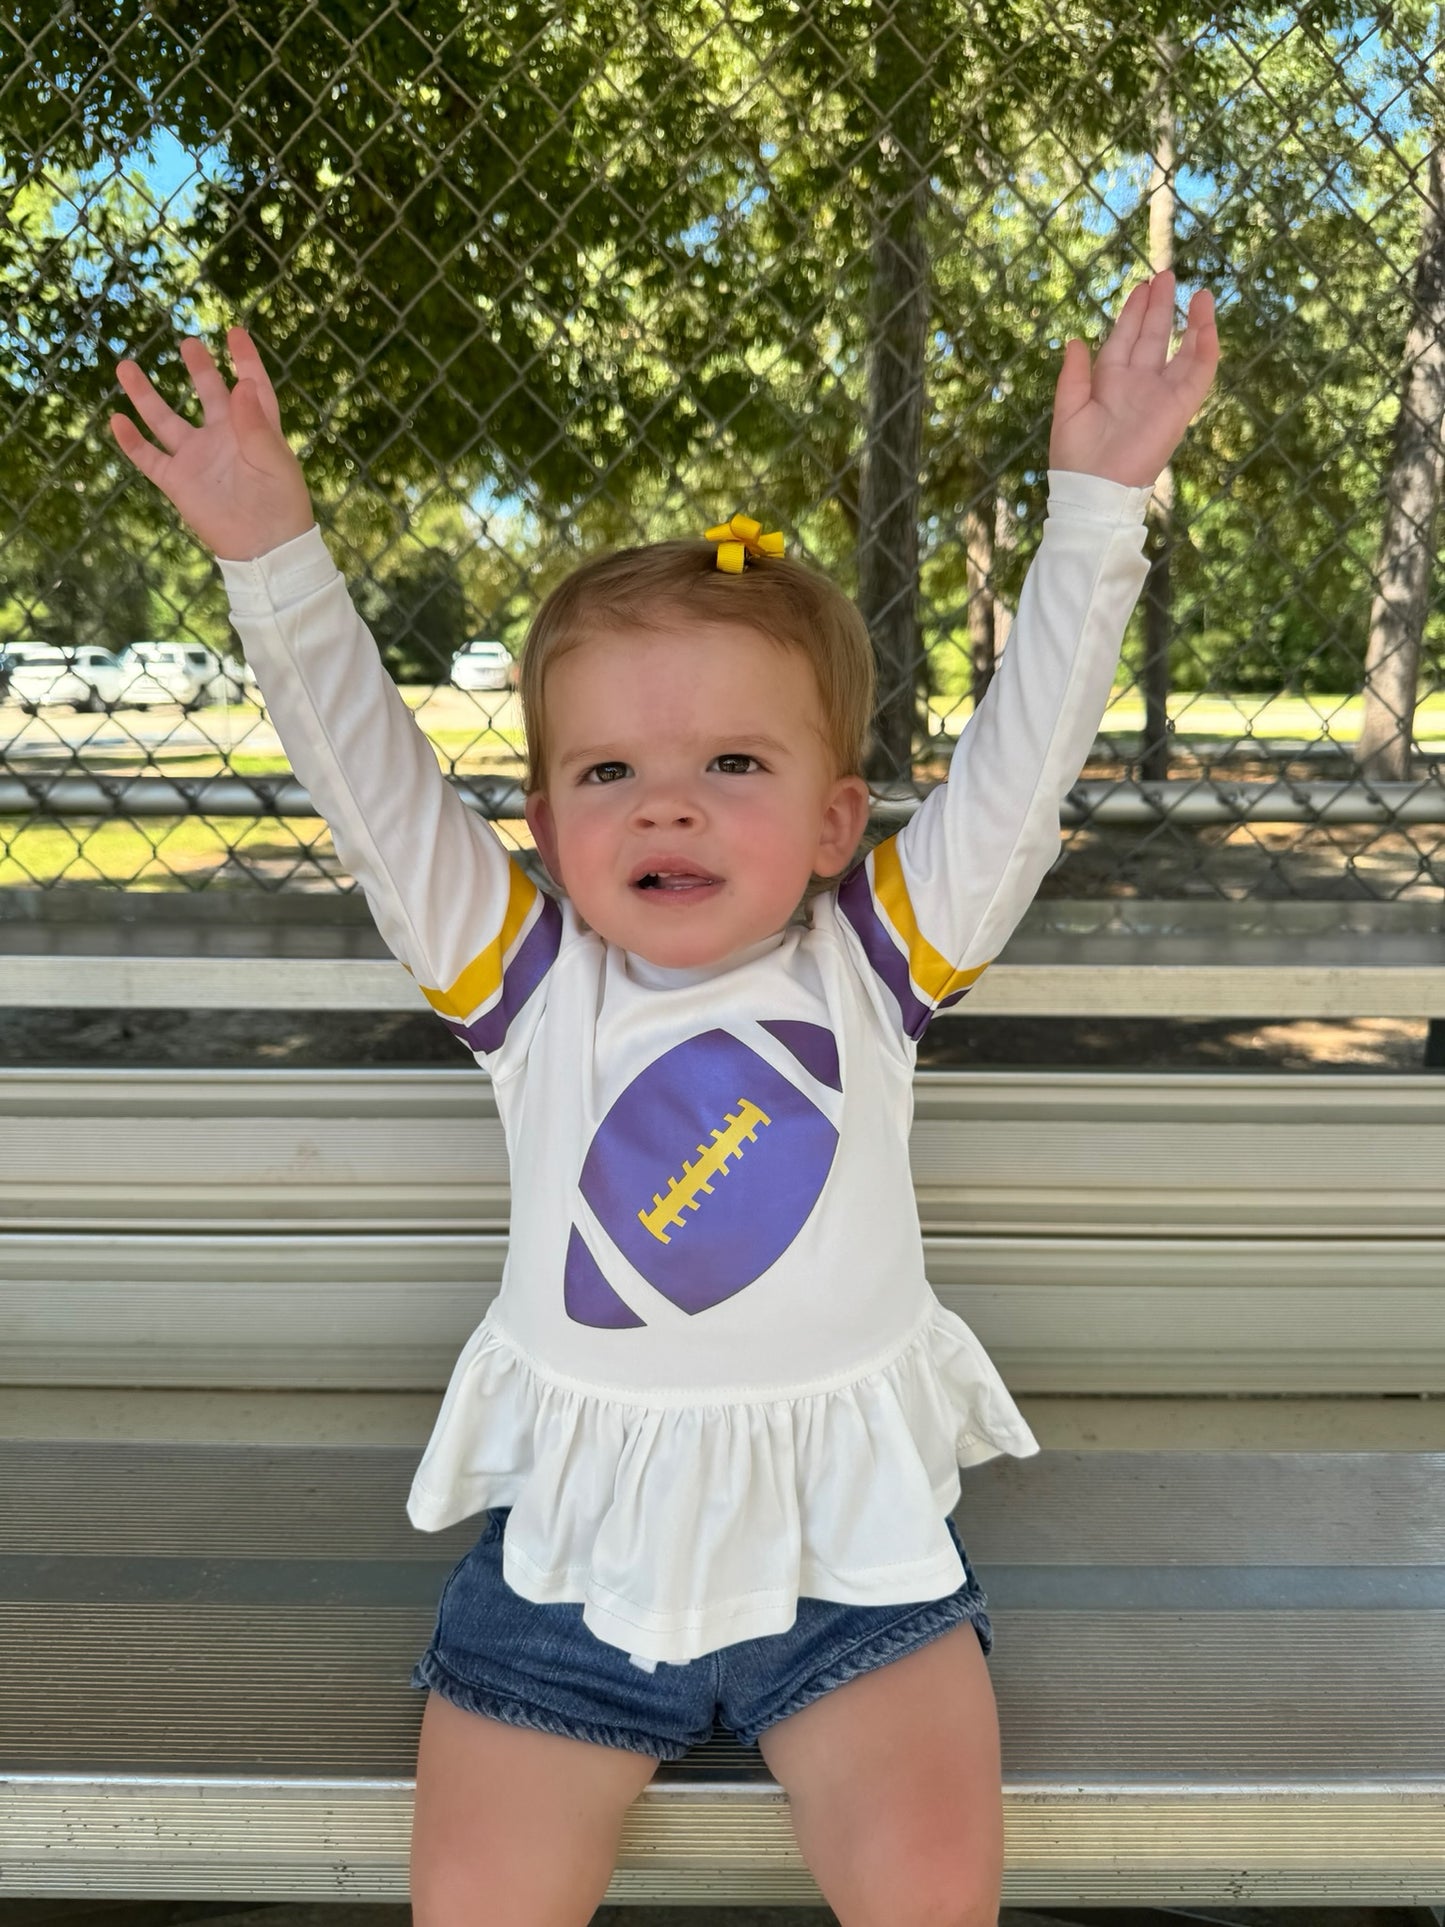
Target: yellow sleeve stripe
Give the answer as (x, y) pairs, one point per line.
(482, 978)
(934, 975)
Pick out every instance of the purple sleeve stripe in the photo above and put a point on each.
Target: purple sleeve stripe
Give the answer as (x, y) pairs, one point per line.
(533, 959)
(855, 900)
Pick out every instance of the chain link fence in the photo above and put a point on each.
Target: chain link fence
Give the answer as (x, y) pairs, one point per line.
(537, 279)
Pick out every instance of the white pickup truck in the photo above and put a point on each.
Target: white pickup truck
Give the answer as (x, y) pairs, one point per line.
(50, 677)
(148, 675)
(191, 672)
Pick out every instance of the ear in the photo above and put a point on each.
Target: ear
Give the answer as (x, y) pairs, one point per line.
(845, 817)
(542, 824)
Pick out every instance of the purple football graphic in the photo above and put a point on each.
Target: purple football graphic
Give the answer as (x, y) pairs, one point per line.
(586, 1294)
(706, 1168)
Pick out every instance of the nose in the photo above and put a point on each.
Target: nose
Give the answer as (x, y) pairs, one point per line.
(666, 803)
(672, 811)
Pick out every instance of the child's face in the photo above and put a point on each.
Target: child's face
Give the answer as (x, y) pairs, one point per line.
(697, 749)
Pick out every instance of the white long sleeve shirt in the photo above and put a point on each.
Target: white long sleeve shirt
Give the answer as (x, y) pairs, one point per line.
(715, 1377)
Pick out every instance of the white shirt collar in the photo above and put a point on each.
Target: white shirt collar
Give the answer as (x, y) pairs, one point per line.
(671, 977)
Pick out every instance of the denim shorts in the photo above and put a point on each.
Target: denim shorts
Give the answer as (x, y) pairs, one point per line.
(495, 1653)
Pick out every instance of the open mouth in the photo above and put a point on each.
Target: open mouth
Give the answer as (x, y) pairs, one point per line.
(676, 883)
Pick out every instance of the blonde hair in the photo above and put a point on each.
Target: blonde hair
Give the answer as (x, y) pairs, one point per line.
(785, 600)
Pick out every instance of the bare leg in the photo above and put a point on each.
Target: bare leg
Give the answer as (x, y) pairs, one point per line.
(514, 1828)
(895, 1787)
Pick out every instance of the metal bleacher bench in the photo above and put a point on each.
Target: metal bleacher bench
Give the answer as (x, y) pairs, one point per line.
(1221, 1675)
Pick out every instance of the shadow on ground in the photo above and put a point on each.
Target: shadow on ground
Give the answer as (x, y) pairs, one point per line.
(316, 1040)
(150, 1913)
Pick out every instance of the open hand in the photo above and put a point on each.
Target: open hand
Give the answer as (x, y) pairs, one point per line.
(1122, 417)
(234, 479)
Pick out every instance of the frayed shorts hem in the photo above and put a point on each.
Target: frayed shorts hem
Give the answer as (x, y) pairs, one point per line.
(920, 1628)
(429, 1673)
(496, 1654)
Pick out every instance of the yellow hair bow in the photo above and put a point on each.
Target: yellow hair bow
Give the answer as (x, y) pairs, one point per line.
(740, 538)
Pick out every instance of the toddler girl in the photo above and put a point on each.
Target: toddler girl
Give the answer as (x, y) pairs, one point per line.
(715, 1416)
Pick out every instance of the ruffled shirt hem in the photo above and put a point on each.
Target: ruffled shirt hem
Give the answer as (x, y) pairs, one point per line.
(683, 1523)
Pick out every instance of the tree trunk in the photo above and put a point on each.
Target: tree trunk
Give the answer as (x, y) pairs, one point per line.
(888, 543)
(979, 521)
(1005, 541)
(1412, 493)
(1159, 584)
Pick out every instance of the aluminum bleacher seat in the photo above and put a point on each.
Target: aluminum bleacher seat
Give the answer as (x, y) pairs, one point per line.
(1221, 1674)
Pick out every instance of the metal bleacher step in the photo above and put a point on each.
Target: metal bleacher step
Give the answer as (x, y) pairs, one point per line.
(1221, 1679)
(1120, 1233)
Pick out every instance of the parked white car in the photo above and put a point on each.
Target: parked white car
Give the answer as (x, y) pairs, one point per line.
(191, 672)
(12, 654)
(483, 665)
(49, 677)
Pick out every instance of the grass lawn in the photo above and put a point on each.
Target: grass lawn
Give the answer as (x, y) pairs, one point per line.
(158, 852)
(1309, 719)
(175, 853)
(1202, 713)
(459, 749)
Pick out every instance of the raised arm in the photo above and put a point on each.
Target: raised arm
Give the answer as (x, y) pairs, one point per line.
(453, 907)
(933, 906)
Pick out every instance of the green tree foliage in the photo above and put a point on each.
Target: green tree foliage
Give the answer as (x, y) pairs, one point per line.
(80, 563)
(418, 616)
(1307, 222)
(541, 277)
